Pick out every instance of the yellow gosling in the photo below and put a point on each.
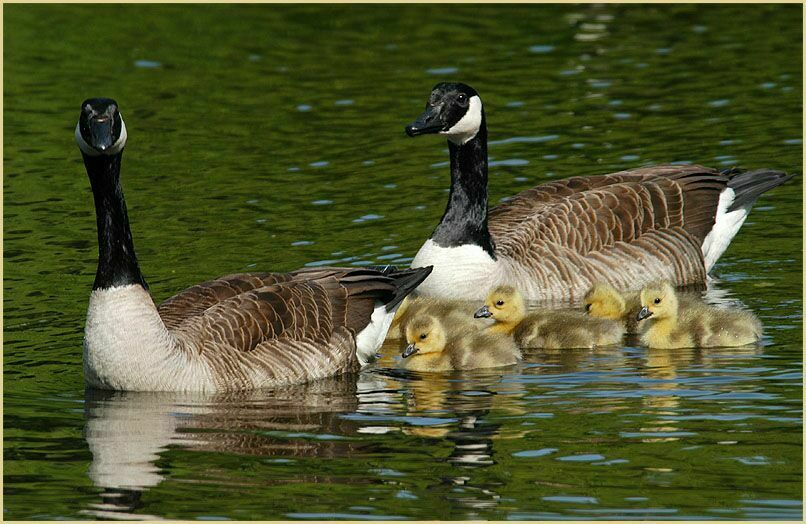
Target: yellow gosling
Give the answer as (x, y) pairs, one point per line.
(603, 301)
(449, 311)
(545, 328)
(432, 348)
(696, 325)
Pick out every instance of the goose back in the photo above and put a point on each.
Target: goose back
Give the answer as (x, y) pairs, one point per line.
(624, 228)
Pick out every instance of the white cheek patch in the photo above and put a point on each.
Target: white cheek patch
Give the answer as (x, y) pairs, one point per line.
(466, 128)
(116, 148)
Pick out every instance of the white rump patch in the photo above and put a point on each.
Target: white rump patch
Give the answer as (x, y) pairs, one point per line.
(116, 148)
(466, 128)
(726, 225)
(370, 339)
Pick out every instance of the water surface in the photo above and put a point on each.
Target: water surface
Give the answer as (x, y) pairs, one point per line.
(271, 137)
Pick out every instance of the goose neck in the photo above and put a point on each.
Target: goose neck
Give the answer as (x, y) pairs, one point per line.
(465, 218)
(117, 261)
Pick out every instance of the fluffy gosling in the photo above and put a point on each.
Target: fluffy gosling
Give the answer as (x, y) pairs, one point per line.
(432, 348)
(697, 325)
(546, 328)
(450, 311)
(603, 301)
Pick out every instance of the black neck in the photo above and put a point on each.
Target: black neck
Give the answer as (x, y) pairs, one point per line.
(465, 218)
(117, 261)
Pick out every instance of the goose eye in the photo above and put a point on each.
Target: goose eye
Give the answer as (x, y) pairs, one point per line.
(657, 301)
(499, 303)
(423, 336)
(462, 98)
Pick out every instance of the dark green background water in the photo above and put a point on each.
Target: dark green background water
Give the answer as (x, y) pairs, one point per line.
(271, 137)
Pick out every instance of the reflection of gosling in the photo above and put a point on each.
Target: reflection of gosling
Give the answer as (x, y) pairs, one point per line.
(695, 325)
(433, 348)
(450, 311)
(546, 328)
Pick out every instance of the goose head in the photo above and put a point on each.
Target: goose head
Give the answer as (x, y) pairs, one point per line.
(454, 110)
(100, 129)
(658, 300)
(603, 301)
(503, 304)
(424, 334)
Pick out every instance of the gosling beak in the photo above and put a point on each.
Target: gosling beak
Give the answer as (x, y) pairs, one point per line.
(483, 312)
(644, 313)
(427, 123)
(409, 351)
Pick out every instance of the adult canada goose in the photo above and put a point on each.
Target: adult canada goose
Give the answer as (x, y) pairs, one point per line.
(554, 240)
(696, 325)
(546, 328)
(237, 332)
(434, 347)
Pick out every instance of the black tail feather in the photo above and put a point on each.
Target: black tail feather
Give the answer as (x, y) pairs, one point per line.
(407, 281)
(749, 185)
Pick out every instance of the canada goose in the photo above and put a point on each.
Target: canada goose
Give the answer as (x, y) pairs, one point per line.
(431, 347)
(554, 240)
(237, 332)
(544, 328)
(449, 311)
(696, 325)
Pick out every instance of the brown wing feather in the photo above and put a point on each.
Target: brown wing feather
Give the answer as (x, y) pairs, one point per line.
(683, 196)
(194, 301)
(264, 329)
(616, 228)
(287, 332)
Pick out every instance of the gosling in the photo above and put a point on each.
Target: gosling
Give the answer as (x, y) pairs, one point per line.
(697, 325)
(603, 301)
(546, 328)
(432, 348)
(450, 311)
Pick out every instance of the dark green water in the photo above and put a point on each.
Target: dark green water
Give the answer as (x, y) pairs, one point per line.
(270, 137)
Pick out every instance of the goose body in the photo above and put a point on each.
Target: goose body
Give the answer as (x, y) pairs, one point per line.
(433, 346)
(545, 328)
(237, 332)
(696, 325)
(555, 240)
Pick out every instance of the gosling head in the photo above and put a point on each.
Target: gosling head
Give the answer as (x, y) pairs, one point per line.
(503, 304)
(659, 301)
(100, 129)
(424, 334)
(453, 109)
(603, 301)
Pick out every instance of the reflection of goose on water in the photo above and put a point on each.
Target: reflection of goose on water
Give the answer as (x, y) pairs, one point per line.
(237, 332)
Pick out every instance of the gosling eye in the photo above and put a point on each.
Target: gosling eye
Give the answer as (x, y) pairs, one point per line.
(587, 307)
(657, 301)
(499, 303)
(423, 336)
